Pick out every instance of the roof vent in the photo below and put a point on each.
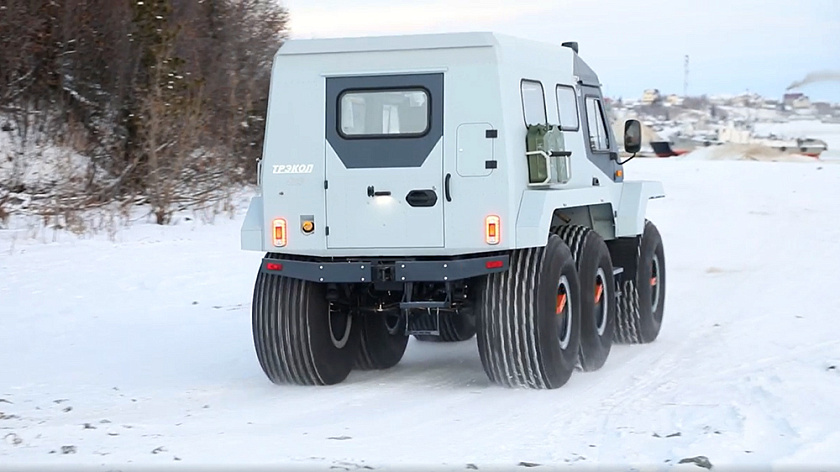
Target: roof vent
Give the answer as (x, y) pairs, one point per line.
(573, 45)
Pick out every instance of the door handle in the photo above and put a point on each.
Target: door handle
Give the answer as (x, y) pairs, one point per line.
(421, 198)
(446, 187)
(372, 192)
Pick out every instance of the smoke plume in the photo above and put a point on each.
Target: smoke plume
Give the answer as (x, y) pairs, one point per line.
(821, 76)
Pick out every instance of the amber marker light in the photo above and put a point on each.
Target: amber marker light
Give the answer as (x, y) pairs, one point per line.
(280, 233)
(492, 230)
(308, 226)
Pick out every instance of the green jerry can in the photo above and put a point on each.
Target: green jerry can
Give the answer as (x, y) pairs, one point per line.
(548, 160)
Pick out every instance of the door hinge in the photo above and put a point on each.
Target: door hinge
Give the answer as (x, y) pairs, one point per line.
(327, 230)
(326, 184)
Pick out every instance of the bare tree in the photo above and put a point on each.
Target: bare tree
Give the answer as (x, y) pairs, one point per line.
(157, 90)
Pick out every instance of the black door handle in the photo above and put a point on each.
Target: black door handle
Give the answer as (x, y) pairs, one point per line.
(446, 187)
(372, 192)
(421, 198)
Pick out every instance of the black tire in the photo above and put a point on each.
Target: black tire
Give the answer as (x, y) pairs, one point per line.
(454, 327)
(597, 294)
(293, 328)
(642, 304)
(519, 327)
(383, 341)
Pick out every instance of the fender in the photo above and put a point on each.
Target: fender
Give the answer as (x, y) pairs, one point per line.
(252, 227)
(537, 207)
(630, 217)
(536, 210)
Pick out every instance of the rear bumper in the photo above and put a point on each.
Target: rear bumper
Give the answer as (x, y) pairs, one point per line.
(385, 270)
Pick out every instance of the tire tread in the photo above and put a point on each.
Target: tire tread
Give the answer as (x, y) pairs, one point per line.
(281, 330)
(511, 320)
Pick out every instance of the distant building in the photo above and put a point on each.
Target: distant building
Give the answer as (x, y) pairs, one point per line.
(822, 108)
(796, 101)
(719, 100)
(651, 96)
(674, 100)
(747, 100)
(739, 101)
(789, 98)
(771, 104)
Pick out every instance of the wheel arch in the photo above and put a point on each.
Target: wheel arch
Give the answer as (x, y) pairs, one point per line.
(543, 211)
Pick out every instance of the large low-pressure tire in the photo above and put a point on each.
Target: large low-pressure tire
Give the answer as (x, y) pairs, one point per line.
(454, 327)
(642, 303)
(528, 318)
(299, 339)
(597, 294)
(383, 341)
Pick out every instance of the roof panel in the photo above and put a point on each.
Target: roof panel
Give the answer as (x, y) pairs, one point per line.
(387, 43)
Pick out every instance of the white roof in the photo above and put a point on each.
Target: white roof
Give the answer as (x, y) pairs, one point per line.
(513, 46)
(397, 43)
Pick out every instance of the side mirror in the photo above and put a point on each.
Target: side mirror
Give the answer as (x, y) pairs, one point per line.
(632, 136)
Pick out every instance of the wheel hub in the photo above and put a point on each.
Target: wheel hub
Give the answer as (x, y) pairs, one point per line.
(600, 306)
(340, 323)
(563, 310)
(655, 284)
(392, 322)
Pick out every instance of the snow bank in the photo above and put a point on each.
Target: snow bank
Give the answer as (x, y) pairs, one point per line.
(40, 165)
(743, 152)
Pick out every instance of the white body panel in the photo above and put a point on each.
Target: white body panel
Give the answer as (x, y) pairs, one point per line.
(482, 73)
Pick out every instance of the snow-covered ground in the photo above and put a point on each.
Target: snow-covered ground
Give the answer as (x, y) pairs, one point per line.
(135, 348)
(40, 164)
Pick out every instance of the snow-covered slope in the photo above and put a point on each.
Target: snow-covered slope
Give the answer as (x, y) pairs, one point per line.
(139, 351)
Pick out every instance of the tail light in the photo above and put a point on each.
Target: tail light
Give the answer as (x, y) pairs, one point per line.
(280, 232)
(494, 264)
(492, 230)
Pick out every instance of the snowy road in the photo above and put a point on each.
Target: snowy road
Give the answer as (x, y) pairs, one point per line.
(139, 351)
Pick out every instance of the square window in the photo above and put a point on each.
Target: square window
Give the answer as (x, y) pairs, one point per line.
(384, 113)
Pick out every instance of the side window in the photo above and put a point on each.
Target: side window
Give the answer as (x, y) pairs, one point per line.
(533, 102)
(598, 138)
(567, 108)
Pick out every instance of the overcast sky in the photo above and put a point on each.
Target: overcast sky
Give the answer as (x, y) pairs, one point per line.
(734, 45)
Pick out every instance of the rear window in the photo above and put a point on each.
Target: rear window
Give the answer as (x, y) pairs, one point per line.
(383, 113)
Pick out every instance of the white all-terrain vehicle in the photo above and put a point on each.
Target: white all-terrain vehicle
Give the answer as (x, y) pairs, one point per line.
(447, 186)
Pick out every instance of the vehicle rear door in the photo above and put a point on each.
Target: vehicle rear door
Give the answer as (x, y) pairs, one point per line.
(384, 161)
